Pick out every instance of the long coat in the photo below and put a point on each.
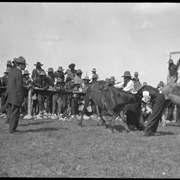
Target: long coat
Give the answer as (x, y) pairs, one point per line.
(15, 87)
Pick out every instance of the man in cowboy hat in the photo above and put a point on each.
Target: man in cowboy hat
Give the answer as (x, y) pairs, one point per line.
(51, 78)
(128, 84)
(172, 68)
(112, 81)
(161, 84)
(94, 74)
(3, 89)
(15, 94)
(58, 98)
(136, 74)
(43, 83)
(137, 84)
(69, 85)
(27, 84)
(60, 73)
(94, 78)
(37, 70)
(78, 86)
(9, 64)
(14, 62)
(86, 83)
(71, 71)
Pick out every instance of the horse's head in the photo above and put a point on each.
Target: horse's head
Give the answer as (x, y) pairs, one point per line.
(138, 97)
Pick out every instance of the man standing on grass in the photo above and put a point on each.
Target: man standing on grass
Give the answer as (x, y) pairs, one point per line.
(15, 93)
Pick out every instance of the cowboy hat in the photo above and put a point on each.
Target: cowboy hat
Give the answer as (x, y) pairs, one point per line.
(113, 78)
(21, 60)
(72, 65)
(94, 70)
(9, 62)
(79, 71)
(38, 64)
(127, 74)
(60, 68)
(136, 73)
(170, 61)
(50, 70)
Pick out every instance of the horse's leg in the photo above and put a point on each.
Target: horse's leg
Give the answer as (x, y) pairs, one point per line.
(97, 110)
(103, 120)
(124, 121)
(113, 123)
(83, 112)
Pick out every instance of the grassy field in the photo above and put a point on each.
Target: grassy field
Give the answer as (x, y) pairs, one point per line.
(53, 148)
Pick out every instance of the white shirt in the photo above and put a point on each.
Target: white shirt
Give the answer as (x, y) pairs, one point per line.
(119, 85)
(129, 87)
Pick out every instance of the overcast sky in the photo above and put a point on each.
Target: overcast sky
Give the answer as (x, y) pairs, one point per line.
(111, 37)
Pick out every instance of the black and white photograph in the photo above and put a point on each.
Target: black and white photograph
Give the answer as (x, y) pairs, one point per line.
(90, 89)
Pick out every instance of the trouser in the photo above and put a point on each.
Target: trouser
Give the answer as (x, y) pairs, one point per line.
(4, 108)
(8, 113)
(3, 99)
(24, 108)
(74, 105)
(67, 104)
(49, 103)
(155, 116)
(41, 101)
(58, 99)
(14, 115)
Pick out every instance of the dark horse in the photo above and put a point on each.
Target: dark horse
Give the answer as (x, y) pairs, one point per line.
(109, 99)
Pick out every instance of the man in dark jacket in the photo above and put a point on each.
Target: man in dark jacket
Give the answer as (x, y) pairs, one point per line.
(15, 93)
(157, 100)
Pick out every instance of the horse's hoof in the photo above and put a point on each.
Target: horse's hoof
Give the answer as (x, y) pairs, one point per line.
(80, 124)
(127, 131)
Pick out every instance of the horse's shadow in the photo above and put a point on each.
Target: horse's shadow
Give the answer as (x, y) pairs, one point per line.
(45, 129)
(118, 128)
(163, 133)
(35, 123)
